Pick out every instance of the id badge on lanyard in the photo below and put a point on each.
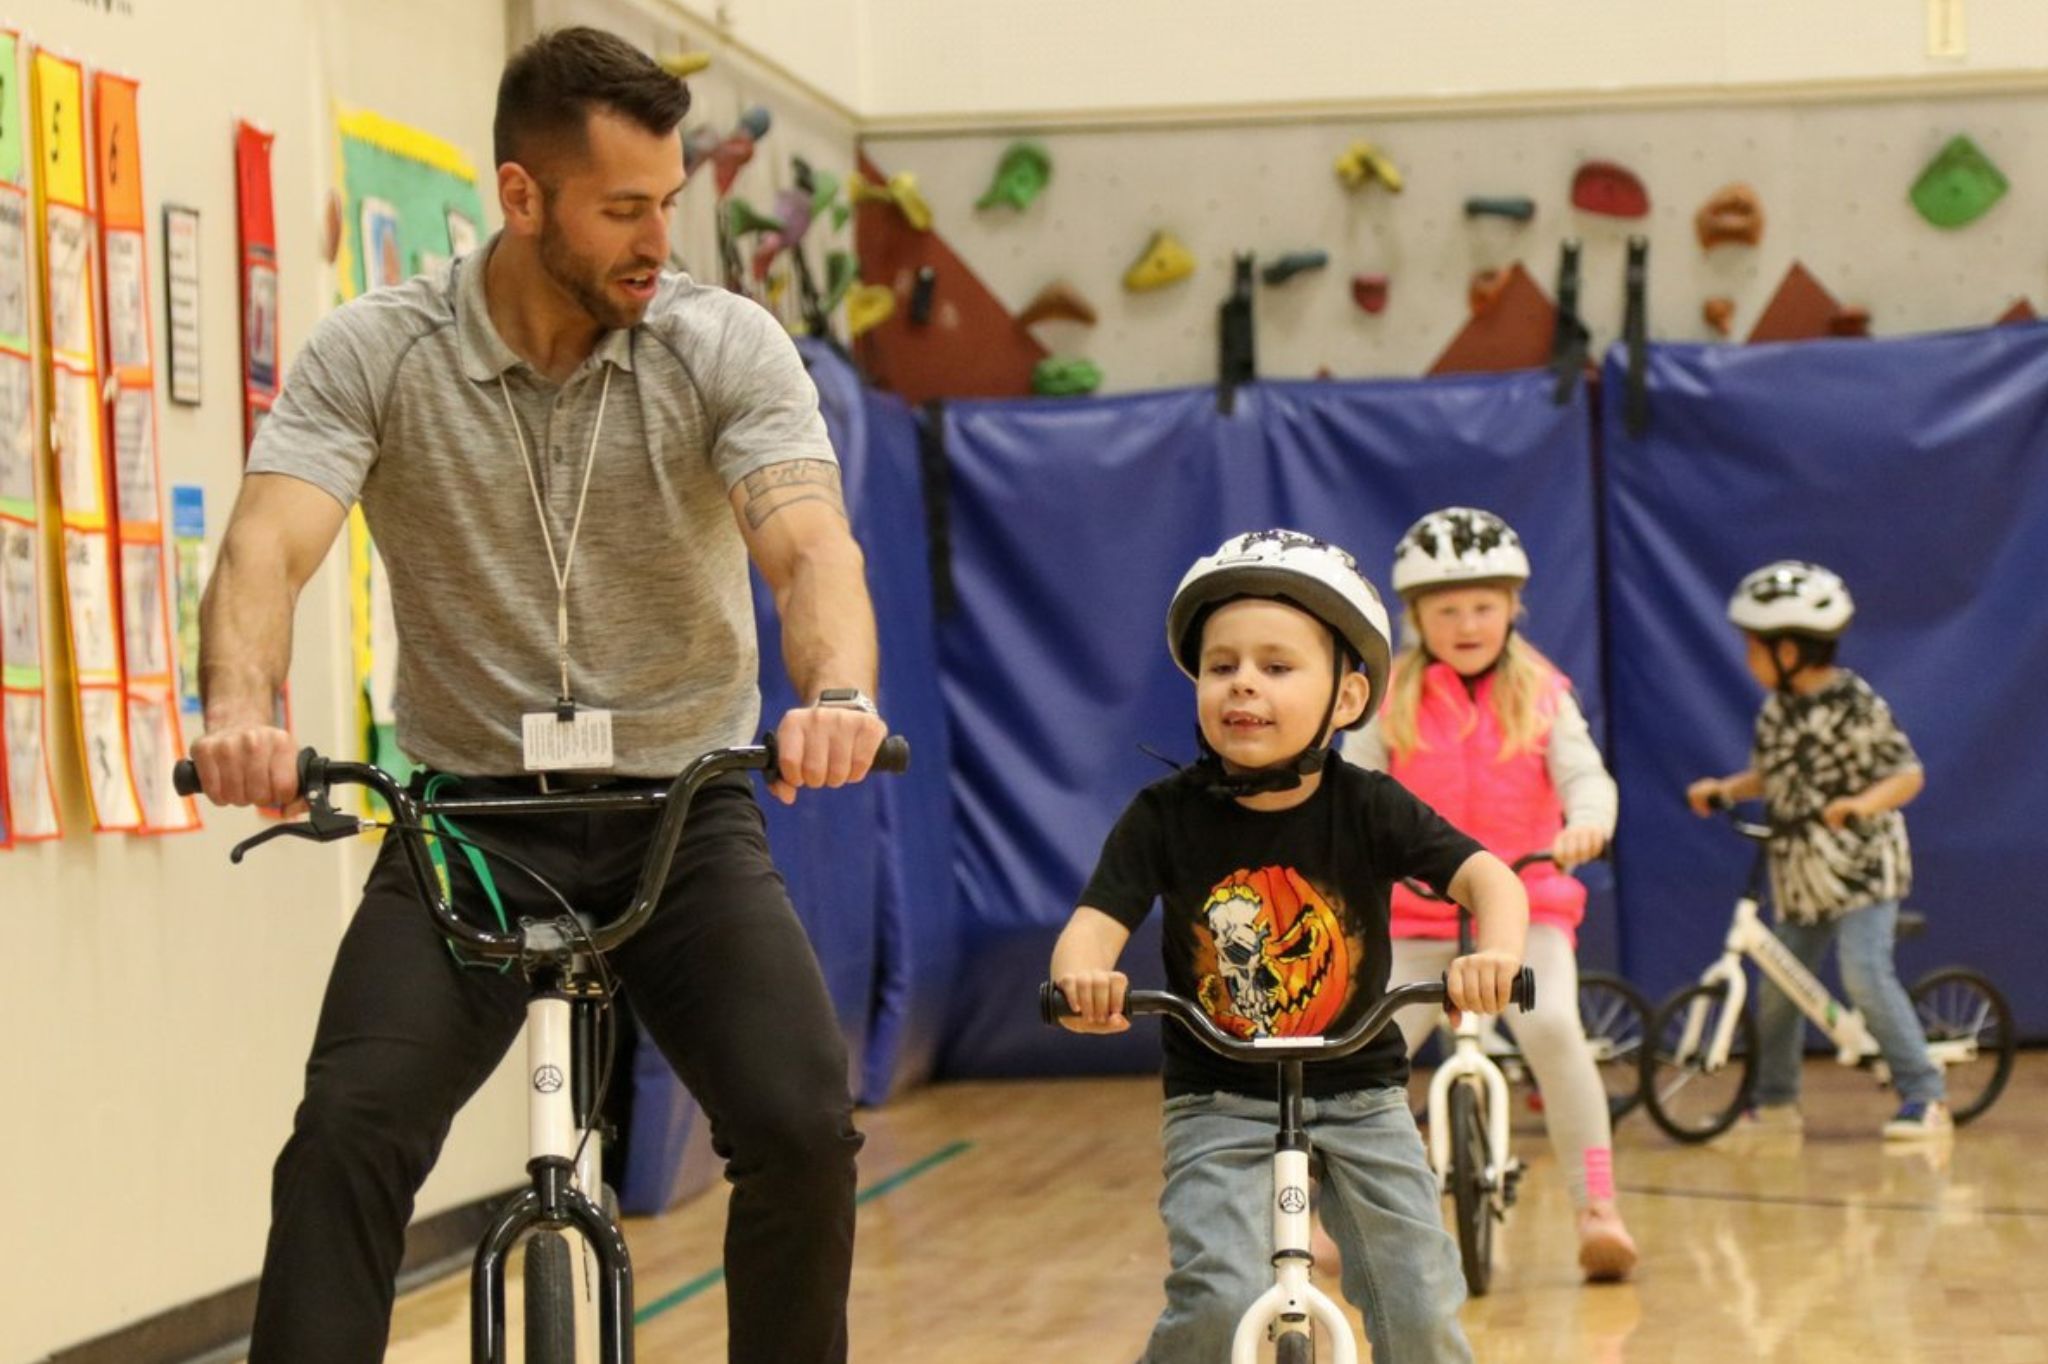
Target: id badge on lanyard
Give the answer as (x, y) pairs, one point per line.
(566, 737)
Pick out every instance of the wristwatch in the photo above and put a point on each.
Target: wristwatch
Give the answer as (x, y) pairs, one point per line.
(846, 698)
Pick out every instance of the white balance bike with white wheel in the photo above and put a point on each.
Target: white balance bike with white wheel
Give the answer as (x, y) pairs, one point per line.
(1285, 1312)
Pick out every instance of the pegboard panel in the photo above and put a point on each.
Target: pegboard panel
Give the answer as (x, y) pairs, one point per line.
(1833, 180)
(803, 126)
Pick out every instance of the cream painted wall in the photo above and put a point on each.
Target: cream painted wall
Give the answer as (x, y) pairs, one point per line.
(963, 59)
(160, 1002)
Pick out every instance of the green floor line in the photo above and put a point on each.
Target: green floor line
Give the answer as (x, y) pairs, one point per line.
(712, 1278)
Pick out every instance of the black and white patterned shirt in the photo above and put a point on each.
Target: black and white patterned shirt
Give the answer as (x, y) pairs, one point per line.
(1810, 750)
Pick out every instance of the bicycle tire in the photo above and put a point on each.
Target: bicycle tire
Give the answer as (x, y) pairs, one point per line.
(550, 1299)
(1296, 1347)
(1955, 1002)
(1470, 1204)
(1616, 1018)
(1666, 1074)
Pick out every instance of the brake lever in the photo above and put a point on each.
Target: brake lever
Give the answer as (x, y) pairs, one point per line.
(322, 824)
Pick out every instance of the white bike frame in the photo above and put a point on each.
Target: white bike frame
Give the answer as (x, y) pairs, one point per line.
(1292, 1301)
(1749, 937)
(1469, 1063)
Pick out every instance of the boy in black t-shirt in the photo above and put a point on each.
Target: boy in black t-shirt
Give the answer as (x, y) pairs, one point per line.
(1274, 858)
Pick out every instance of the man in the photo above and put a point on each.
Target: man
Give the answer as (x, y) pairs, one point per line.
(567, 458)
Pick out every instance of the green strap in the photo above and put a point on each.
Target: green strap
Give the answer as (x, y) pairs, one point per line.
(441, 824)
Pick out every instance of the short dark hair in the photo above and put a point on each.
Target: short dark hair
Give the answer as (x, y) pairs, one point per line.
(551, 85)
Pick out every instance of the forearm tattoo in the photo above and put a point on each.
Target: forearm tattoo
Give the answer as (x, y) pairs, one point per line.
(771, 489)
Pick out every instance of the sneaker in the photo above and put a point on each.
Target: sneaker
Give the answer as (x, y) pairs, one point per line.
(1920, 1122)
(1607, 1253)
(1774, 1118)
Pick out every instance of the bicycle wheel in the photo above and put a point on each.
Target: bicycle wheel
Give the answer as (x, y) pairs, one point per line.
(550, 1299)
(1690, 1100)
(1616, 1018)
(1469, 1194)
(1296, 1347)
(1965, 1014)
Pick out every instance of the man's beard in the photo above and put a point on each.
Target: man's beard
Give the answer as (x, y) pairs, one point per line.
(583, 282)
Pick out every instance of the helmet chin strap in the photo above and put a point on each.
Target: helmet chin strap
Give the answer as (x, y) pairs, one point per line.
(1285, 776)
(1784, 685)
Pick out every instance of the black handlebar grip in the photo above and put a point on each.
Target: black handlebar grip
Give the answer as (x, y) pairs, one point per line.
(1523, 992)
(893, 755)
(185, 776)
(1052, 1005)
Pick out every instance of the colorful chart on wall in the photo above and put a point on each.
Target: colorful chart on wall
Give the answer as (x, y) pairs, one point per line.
(411, 206)
(72, 369)
(28, 804)
(155, 736)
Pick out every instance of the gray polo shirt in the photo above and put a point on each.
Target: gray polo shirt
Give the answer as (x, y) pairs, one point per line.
(398, 401)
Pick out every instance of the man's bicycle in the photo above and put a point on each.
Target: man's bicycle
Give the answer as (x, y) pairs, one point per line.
(567, 1042)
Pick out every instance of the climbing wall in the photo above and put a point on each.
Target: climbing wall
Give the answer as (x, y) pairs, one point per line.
(1833, 179)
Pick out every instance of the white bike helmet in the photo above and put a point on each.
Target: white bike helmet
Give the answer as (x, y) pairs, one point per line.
(1791, 597)
(1295, 568)
(1457, 547)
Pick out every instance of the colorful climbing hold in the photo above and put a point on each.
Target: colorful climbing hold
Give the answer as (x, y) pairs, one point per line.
(683, 65)
(1292, 264)
(1362, 163)
(1959, 186)
(1022, 176)
(698, 144)
(1370, 292)
(902, 191)
(793, 211)
(841, 271)
(1055, 377)
(1718, 314)
(868, 306)
(1850, 321)
(756, 122)
(730, 157)
(1486, 288)
(1061, 302)
(742, 217)
(1609, 189)
(1519, 207)
(1732, 214)
(1164, 261)
(821, 185)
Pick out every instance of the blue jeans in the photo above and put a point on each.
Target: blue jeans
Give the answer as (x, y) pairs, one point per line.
(1380, 1203)
(1872, 984)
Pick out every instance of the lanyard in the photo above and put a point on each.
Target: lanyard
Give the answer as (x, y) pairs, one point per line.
(562, 567)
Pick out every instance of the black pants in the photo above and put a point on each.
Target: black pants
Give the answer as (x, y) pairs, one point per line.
(722, 978)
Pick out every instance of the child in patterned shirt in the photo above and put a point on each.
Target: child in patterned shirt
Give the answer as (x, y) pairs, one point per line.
(1833, 769)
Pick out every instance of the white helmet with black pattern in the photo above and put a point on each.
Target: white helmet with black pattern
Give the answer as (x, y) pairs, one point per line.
(1288, 566)
(1792, 597)
(1458, 547)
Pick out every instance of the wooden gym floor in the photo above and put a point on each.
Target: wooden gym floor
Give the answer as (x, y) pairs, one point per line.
(1015, 1222)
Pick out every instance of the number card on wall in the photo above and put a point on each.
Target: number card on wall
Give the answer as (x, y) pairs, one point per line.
(155, 737)
(28, 797)
(72, 364)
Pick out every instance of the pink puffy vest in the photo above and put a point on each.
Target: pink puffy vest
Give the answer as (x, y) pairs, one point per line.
(1509, 805)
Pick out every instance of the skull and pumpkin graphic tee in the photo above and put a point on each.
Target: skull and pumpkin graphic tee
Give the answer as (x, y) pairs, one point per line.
(1275, 921)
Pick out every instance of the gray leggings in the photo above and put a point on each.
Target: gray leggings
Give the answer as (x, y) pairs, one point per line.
(1553, 1042)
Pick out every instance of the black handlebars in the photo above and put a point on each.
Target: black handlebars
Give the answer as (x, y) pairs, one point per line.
(1053, 1006)
(532, 938)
